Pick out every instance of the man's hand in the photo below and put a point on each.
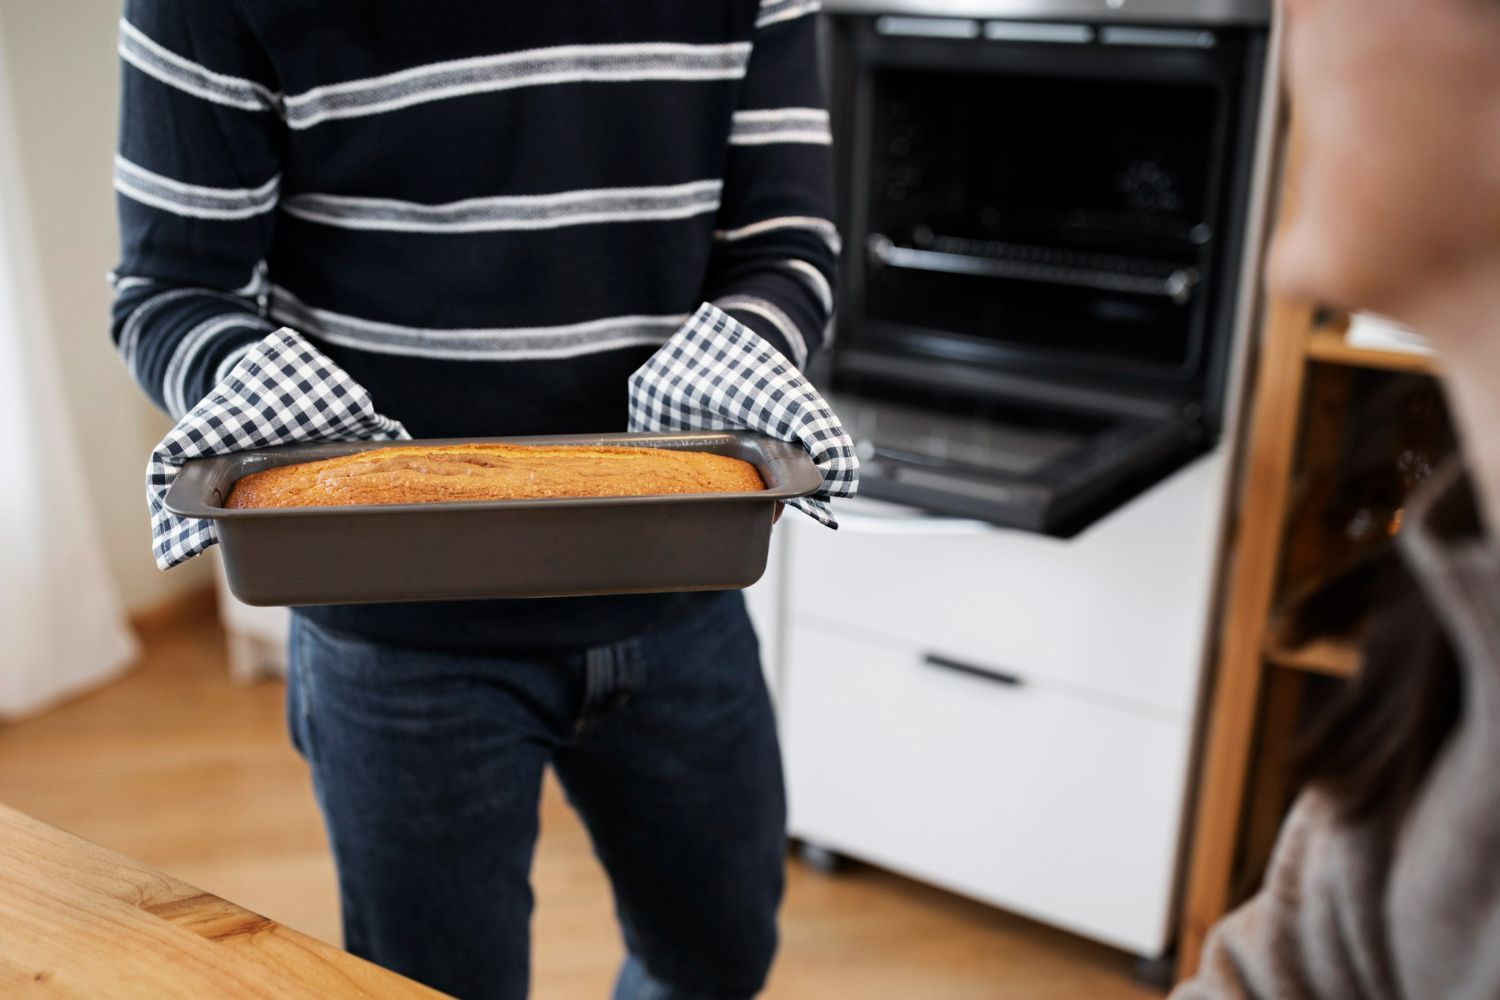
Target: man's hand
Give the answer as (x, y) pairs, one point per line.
(715, 373)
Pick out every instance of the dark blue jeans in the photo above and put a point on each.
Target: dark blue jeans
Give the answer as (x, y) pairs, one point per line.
(428, 768)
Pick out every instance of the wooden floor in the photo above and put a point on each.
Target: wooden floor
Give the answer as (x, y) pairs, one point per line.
(181, 769)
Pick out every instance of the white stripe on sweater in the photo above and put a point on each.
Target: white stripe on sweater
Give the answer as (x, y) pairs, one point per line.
(767, 125)
(826, 230)
(130, 332)
(251, 289)
(511, 212)
(816, 279)
(528, 68)
(125, 284)
(776, 11)
(773, 315)
(256, 286)
(156, 60)
(233, 358)
(193, 200)
(174, 384)
(474, 344)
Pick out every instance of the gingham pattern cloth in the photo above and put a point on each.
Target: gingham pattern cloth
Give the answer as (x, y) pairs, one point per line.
(282, 391)
(715, 373)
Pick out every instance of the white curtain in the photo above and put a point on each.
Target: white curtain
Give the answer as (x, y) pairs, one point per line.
(62, 628)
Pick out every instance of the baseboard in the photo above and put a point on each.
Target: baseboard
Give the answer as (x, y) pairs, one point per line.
(187, 608)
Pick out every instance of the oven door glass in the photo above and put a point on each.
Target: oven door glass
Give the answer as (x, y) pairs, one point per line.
(1021, 216)
(1032, 466)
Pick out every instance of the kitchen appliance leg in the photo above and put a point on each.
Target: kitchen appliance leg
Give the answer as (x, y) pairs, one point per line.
(1158, 972)
(823, 860)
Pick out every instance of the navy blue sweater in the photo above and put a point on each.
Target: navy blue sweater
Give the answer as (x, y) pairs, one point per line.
(488, 214)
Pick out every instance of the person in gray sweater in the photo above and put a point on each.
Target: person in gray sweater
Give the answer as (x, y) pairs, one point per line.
(1386, 878)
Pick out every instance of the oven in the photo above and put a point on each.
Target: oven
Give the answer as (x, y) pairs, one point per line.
(1045, 207)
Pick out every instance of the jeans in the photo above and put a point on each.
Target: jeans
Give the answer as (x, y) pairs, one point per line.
(428, 769)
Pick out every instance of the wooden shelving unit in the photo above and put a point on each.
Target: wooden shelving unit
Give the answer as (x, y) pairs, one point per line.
(1260, 681)
(1332, 656)
(1327, 344)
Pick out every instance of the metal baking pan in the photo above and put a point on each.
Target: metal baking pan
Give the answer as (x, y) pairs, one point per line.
(562, 547)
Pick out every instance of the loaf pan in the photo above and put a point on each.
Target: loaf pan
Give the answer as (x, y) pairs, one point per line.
(495, 548)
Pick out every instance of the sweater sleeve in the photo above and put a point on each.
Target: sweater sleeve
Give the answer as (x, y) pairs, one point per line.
(1314, 928)
(776, 248)
(197, 175)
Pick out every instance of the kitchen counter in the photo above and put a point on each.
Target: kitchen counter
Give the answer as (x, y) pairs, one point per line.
(77, 920)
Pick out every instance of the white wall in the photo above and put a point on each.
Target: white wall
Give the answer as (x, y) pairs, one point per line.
(60, 55)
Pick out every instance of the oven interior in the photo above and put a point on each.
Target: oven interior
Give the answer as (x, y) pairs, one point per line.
(1044, 242)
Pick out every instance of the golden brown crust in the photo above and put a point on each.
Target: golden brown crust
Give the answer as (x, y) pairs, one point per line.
(418, 474)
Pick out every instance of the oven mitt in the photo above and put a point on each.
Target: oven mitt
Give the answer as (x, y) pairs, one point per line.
(283, 391)
(718, 374)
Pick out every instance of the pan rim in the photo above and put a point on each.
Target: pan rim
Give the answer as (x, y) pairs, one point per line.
(187, 495)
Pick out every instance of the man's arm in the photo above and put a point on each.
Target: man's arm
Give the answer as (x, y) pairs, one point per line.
(776, 249)
(197, 177)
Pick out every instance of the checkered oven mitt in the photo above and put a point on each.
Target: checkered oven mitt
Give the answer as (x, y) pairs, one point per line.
(716, 374)
(282, 391)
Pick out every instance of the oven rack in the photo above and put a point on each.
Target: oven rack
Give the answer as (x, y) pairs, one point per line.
(1019, 262)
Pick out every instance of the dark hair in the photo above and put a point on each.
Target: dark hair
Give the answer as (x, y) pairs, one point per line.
(1372, 747)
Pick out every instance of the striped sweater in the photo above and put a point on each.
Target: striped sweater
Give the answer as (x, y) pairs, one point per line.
(488, 215)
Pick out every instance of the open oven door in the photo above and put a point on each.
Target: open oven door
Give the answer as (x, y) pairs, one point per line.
(1025, 459)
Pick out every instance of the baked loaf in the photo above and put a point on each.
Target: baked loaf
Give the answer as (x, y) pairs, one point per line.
(417, 474)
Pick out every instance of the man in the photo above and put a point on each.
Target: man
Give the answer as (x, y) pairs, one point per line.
(489, 216)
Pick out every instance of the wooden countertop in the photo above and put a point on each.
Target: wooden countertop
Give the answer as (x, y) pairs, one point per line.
(77, 920)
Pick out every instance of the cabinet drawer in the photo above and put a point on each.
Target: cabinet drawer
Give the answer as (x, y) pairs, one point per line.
(1121, 610)
(1061, 809)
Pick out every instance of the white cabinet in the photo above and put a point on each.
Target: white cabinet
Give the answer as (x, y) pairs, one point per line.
(1056, 807)
(1120, 610)
(1059, 795)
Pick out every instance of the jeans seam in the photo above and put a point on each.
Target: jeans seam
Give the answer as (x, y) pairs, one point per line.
(307, 726)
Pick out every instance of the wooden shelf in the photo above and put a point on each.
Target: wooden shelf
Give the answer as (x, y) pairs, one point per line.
(1328, 345)
(1334, 656)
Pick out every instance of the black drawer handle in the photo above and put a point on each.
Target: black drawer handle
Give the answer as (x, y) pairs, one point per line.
(998, 676)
